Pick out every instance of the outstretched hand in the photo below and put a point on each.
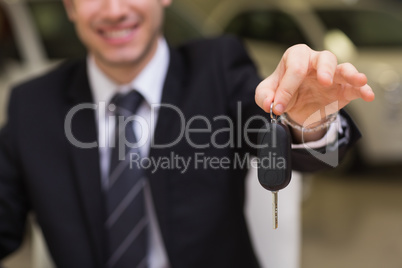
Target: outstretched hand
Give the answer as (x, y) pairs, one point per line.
(306, 81)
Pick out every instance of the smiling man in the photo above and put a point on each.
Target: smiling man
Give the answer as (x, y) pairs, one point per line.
(122, 36)
(136, 96)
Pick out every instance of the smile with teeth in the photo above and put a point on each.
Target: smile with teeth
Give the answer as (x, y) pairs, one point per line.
(117, 34)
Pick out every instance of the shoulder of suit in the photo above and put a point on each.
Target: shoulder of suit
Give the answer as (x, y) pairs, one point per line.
(219, 41)
(211, 47)
(211, 54)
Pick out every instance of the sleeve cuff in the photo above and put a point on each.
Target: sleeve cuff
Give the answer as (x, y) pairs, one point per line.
(335, 129)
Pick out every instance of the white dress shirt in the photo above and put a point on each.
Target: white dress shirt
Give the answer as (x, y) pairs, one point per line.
(150, 84)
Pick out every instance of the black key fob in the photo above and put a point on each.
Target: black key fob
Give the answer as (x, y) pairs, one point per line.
(274, 156)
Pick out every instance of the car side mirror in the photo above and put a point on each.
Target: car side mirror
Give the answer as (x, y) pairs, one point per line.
(340, 44)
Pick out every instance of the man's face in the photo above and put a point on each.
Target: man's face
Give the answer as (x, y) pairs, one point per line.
(118, 32)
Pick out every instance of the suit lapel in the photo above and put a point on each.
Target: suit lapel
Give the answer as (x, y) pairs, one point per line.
(86, 162)
(166, 132)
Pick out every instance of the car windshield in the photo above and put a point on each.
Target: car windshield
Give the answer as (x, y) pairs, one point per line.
(366, 28)
(266, 25)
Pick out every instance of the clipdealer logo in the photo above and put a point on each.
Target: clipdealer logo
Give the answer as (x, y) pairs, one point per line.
(238, 133)
(201, 161)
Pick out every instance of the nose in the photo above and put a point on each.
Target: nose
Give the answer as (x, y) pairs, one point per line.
(115, 9)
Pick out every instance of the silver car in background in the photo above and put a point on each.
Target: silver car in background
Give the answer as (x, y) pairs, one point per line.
(366, 33)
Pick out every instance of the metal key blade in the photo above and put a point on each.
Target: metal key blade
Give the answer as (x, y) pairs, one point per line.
(275, 209)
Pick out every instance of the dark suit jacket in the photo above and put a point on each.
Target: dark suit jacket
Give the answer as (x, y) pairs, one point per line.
(200, 212)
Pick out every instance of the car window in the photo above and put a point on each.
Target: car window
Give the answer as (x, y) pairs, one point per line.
(266, 25)
(366, 28)
(8, 46)
(56, 31)
(178, 28)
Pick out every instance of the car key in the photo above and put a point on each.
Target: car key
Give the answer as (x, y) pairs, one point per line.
(274, 156)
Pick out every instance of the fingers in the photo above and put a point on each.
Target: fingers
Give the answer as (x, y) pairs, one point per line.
(354, 83)
(302, 68)
(326, 65)
(295, 68)
(346, 73)
(300, 61)
(365, 92)
(265, 92)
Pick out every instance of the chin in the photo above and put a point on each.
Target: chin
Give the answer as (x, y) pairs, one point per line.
(120, 58)
(133, 54)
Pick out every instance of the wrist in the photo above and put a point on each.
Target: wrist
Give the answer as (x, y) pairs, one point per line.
(308, 132)
(317, 126)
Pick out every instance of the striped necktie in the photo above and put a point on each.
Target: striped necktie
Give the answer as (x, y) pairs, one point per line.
(126, 223)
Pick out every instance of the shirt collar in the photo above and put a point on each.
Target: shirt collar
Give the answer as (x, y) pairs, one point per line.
(149, 82)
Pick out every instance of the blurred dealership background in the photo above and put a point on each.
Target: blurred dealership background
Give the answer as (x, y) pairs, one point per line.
(352, 216)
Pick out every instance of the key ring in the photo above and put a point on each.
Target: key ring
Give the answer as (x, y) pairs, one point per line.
(274, 118)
